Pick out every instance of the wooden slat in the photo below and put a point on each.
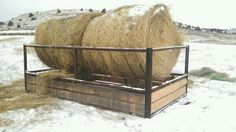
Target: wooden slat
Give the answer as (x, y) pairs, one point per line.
(100, 91)
(91, 89)
(159, 104)
(103, 102)
(168, 89)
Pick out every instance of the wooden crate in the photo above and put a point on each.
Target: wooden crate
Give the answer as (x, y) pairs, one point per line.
(123, 99)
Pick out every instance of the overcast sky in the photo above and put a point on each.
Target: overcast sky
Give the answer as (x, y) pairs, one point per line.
(204, 13)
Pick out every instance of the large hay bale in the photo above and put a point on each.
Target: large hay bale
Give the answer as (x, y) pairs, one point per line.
(132, 27)
(61, 32)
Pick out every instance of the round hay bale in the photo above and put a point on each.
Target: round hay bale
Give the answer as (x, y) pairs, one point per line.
(132, 27)
(61, 32)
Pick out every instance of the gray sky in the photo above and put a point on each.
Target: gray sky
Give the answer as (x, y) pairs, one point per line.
(204, 13)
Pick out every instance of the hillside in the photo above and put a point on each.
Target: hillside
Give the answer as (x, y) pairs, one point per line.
(29, 21)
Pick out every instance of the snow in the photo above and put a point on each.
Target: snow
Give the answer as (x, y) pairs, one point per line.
(208, 106)
(138, 10)
(11, 58)
(157, 11)
(17, 31)
(221, 58)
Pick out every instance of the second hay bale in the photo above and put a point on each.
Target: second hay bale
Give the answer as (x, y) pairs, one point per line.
(132, 27)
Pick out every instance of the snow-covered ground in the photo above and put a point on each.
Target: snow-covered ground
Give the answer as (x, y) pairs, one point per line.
(208, 106)
(11, 58)
(17, 31)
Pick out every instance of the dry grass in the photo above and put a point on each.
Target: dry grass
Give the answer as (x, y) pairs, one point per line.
(46, 79)
(13, 97)
(212, 74)
(119, 29)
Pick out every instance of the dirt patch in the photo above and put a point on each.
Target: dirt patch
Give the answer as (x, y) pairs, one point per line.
(13, 97)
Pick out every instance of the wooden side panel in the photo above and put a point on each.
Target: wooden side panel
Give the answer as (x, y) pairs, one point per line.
(162, 102)
(101, 91)
(104, 102)
(168, 89)
(114, 99)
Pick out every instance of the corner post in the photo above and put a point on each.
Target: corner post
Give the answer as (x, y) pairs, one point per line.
(186, 59)
(25, 64)
(186, 64)
(148, 82)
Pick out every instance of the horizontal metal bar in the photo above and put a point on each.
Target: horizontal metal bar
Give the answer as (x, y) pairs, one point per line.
(169, 48)
(106, 48)
(177, 74)
(125, 88)
(89, 48)
(42, 70)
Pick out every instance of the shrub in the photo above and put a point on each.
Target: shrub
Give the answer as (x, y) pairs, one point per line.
(20, 20)
(31, 14)
(81, 9)
(10, 23)
(58, 11)
(33, 18)
(104, 10)
(18, 26)
(2, 23)
(90, 10)
(212, 74)
(198, 29)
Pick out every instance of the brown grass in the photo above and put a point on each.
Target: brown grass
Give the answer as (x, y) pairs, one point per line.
(46, 79)
(13, 97)
(118, 29)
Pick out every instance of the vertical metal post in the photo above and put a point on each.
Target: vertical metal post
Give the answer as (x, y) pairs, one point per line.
(148, 82)
(186, 64)
(76, 69)
(25, 64)
(186, 59)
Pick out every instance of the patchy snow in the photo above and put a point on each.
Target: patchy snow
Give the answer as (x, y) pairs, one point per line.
(17, 31)
(27, 22)
(208, 106)
(11, 58)
(221, 58)
(158, 10)
(138, 10)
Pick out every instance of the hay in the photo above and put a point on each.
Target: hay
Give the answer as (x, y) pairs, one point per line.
(14, 97)
(61, 32)
(47, 79)
(129, 27)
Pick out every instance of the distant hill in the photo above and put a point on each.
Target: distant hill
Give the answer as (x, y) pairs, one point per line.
(210, 30)
(29, 21)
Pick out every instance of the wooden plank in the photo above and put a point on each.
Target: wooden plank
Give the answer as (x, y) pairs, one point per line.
(168, 89)
(91, 89)
(103, 102)
(159, 104)
(100, 91)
